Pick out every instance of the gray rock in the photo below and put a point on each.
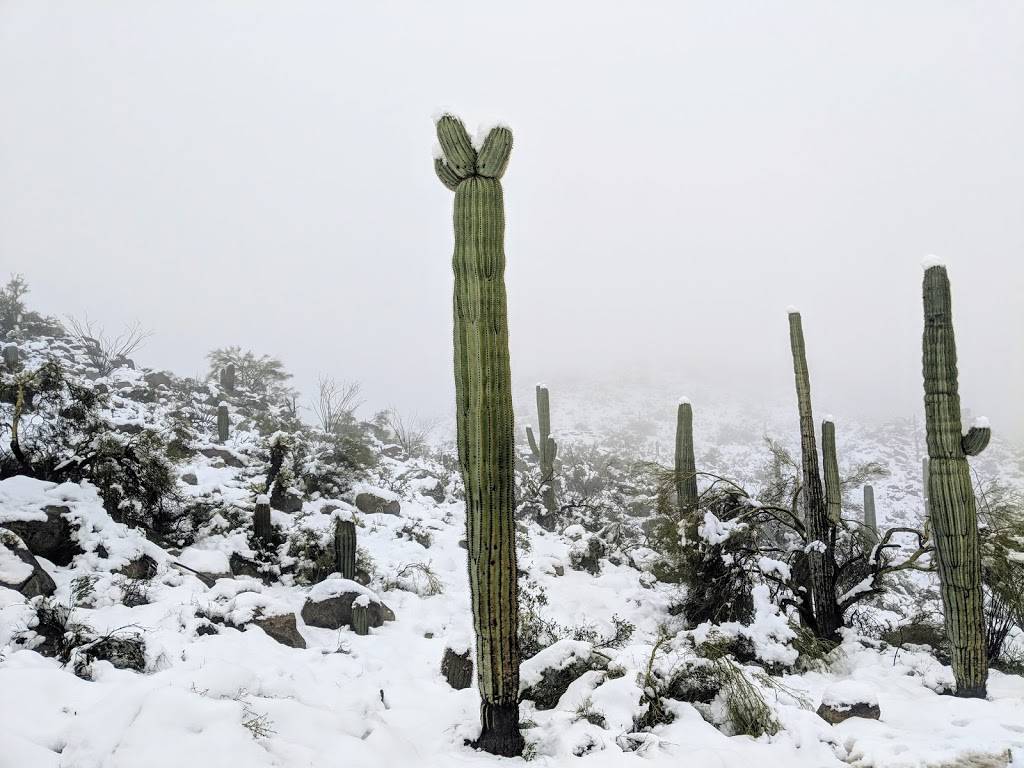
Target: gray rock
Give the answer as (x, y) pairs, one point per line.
(281, 628)
(143, 567)
(39, 583)
(336, 612)
(555, 679)
(50, 538)
(189, 478)
(370, 503)
(834, 715)
(457, 668)
(224, 454)
(158, 379)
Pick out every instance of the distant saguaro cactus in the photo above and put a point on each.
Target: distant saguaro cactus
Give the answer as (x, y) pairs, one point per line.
(345, 547)
(227, 378)
(830, 466)
(223, 423)
(11, 357)
(484, 421)
(951, 503)
(686, 468)
(545, 449)
(819, 558)
(261, 526)
(870, 521)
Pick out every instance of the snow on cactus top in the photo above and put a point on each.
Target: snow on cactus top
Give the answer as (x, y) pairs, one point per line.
(931, 260)
(684, 400)
(791, 310)
(982, 422)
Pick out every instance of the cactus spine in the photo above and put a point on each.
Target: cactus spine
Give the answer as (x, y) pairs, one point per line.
(819, 555)
(545, 450)
(686, 469)
(261, 526)
(223, 423)
(830, 466)
(870, 521)
(951, 504)
(484, 420)
(345, 548)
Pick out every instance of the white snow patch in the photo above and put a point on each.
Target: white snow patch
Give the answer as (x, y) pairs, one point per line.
(844, 694)
(792, 310)
(557, 656)
(931, 260)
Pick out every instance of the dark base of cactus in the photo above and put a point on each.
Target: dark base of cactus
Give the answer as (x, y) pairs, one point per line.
(500, 734)
(975, 692)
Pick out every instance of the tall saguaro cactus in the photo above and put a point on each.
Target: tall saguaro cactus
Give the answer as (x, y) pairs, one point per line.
(484, 421)
(686, 468)
(951, 504)
(545, 450)
(345, 547)
(819, 556)
(830, 465)
(223, 423)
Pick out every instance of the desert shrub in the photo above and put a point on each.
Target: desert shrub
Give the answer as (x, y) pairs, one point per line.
(14, 314)
(260, 374)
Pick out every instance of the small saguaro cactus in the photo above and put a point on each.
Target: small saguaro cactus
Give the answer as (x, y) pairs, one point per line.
(457, 667)
(686, 468)
(361, 615)
(223, 423)
(830, 466)
(227, 378)
(545, 449)
(11, 357)
(484, 420)
(261, 526)
(951, 504)
(345, 547)
(819, 559)
(870, 521)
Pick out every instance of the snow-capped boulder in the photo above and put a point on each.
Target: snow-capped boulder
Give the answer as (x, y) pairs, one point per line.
(48, 534)
(846, 699)
(238, 603)
(329, 605)
(19, 570)
(457, 662)
(378, 502)
(545, 677)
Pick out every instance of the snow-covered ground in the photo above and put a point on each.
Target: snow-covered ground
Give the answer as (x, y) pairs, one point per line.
(240, 697)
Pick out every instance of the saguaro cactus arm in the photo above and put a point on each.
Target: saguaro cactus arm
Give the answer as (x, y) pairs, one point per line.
(484, 425)
(977, 438)
(830, 462)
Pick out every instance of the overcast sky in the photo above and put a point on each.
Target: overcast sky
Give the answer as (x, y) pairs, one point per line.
(259, 173)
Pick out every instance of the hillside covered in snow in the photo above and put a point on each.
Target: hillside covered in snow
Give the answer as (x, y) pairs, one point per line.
(197, 572)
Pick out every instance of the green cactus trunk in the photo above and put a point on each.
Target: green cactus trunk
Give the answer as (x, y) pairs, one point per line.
(870, 521)
(951, 504)
(830, 465)
(484, 420)
(223, 423)
(345, 548)
(686, 470)
(360, 618)
(227, 378)
(820, 565)
(545, 449)
(262, 528)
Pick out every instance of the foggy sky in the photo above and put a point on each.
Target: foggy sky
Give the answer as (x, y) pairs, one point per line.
(260, 174)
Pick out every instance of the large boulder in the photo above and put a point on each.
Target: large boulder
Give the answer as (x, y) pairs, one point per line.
(230, 458)
(370, 503)
(545, 677)
(329, 605)
(19, 570)
(51, 538)
(846, 699)
(282, 628)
